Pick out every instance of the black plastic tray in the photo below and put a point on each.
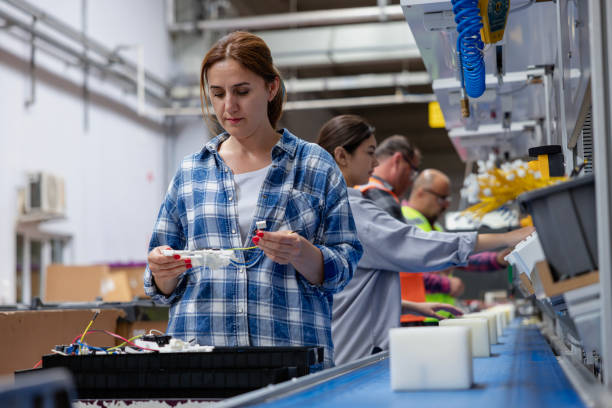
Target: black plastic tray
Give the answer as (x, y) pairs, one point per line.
(223, 372)
(564, 216)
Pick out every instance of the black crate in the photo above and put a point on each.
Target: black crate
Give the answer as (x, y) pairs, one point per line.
(221, 373)
(564, 216)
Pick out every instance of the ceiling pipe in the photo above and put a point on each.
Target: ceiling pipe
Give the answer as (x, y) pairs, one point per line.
(298, 19)
(366, 81)
(355, 102)
(77, 55)
(92, 45)
(338, 83)
(362, 101)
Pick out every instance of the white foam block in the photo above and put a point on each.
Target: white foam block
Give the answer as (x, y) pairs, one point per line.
(505, 314)
(430, 358)
(500, 316)
(479, 332)
(509, 309)
(491, 324)
(499, 319)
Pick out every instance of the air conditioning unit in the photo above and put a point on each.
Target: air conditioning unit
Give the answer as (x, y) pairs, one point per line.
(44, 194)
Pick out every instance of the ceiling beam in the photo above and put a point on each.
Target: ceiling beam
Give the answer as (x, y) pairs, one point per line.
(354, 102)
(297, 19)
(336, 83)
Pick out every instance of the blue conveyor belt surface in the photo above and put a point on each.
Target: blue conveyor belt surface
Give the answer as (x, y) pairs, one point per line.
(522, 372)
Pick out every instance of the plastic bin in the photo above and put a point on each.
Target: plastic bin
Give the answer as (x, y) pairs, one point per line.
(564, 216)
(220, 373)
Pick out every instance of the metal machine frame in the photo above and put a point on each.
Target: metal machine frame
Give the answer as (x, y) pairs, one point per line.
(555, 79)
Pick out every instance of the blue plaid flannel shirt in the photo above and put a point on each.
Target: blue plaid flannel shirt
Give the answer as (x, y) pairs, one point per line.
(266, 304)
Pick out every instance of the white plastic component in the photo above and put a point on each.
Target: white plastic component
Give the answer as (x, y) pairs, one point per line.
(212, 258)
(479, 332)
(430, 358)
(491, 324)
(526, 254)
(175, 346)
(261, 225)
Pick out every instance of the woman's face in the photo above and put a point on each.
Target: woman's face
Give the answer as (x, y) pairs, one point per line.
(239, 98)
(361, 163)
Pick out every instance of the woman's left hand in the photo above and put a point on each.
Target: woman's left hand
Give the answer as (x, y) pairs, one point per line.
(429, 309)
(282, 247)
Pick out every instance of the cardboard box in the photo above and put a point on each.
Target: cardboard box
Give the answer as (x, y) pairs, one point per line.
(131, 329)
(30, 334)
(115, 287)
(66, 283)
(135, 276)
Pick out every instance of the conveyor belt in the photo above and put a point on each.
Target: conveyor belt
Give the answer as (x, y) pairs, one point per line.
(523, 372)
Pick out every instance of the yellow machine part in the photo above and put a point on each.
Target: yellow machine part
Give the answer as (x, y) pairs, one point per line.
(436, 118)
(494, 15)
(541, 165)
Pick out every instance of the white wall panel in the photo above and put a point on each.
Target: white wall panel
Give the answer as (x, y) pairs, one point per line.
(115, 171)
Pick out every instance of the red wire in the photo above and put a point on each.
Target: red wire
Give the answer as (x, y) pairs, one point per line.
(38, 364)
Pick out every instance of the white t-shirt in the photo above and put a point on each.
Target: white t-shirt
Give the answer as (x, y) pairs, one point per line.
(248, 186)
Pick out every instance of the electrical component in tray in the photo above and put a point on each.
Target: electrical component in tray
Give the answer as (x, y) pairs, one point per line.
(212, 258)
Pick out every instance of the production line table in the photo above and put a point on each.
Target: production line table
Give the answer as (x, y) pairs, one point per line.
(522, 372)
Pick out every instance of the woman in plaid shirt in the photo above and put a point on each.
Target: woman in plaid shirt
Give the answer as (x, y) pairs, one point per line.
(279, 293)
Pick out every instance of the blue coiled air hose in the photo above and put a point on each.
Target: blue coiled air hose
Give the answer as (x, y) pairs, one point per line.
(469, 46)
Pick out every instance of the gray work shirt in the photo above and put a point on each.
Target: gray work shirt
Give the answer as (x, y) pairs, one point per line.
(371, 303)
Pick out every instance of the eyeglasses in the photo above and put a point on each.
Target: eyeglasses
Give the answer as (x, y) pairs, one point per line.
(442, 199)
(414, 168)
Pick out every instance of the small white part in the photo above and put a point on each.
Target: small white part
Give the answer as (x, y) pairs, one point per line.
(428, 358)
(523, 259)
(175, 346)
(261, 225)
(479, 332)
(211, 258)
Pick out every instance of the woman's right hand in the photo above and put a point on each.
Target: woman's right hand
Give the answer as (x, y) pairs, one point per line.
(166, 269)
(489, 242)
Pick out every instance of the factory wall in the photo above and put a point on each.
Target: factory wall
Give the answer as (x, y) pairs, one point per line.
(114, 162)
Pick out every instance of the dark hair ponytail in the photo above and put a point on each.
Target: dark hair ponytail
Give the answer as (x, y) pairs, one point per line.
(347, 131)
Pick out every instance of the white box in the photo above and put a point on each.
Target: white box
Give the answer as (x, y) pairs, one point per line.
(479, 332)
(430, 358)
(501, 318)
(491, 324)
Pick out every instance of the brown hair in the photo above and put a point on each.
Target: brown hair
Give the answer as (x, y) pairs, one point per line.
(253, 53)
(347, 131)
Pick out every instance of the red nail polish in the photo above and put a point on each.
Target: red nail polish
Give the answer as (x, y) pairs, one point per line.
(260, 234)
(177, 256)
(255, 240)
(188, 261)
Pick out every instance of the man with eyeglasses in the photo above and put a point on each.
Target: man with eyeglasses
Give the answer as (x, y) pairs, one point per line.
(429, 198)
(398, 166)
(396, 172)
